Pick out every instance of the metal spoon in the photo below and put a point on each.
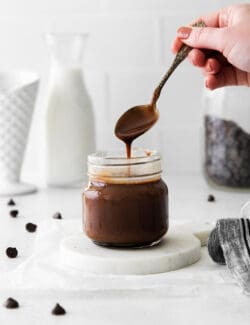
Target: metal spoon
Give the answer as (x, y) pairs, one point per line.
(139, 119)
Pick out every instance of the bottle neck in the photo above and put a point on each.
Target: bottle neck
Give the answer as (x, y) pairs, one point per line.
(66, 50)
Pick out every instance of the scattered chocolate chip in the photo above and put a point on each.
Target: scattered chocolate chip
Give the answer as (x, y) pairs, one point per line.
(30, 227)
(57, 215)
(58, 310)
(14, 213)
(11, 252)
(210, 198)
(11, 303)
(11, 202)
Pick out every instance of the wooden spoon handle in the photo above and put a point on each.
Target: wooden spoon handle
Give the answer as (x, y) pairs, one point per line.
(180, 56)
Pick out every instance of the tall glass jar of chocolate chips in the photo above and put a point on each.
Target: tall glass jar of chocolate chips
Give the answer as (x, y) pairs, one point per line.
(227, 136)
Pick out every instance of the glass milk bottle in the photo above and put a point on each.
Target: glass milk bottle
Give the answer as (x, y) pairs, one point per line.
(227, 136)
(70, 134)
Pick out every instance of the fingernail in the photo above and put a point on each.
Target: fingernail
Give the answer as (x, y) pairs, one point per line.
(209, 67)
(184, 32)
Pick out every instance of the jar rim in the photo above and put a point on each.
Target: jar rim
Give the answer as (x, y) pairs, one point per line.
(111, 158)
(115, 167)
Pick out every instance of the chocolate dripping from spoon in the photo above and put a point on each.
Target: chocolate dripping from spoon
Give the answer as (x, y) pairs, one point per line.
(139, 119)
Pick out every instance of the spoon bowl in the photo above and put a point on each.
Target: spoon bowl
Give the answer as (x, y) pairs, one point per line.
(136, 121)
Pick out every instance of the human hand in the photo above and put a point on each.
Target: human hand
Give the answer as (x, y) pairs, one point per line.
(222, 49)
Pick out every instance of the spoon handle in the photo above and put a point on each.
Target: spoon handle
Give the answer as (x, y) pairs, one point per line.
(180, 56)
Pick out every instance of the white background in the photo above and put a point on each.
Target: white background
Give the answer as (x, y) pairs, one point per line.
(127, 53)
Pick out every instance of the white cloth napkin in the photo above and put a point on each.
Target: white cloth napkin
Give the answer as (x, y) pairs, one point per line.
(44, 270)
(229, 244)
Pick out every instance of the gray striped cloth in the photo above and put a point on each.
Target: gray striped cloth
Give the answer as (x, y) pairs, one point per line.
(229, 243)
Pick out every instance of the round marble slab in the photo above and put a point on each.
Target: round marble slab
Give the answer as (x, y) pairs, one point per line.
(198, 229)
(177, 250)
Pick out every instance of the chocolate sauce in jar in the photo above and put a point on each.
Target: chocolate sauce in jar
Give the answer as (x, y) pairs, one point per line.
(126, 201)
(126, 214)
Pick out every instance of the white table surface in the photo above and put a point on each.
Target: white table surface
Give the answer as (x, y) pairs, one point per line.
(208, 302)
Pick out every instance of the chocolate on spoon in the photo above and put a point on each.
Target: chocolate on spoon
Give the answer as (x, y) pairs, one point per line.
(139, 119)
(134, 122)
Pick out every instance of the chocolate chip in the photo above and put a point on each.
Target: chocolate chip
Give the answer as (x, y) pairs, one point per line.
(30, 227)
(11, 202)
(58, 310)
(11, 303)
(11, 252)
(57, 215)
(14, 213)
(211, 198)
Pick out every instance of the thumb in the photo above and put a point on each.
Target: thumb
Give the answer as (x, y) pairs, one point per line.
(203, 37)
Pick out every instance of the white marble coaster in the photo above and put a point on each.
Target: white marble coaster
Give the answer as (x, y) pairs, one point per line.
(199, 230)
(177, 250)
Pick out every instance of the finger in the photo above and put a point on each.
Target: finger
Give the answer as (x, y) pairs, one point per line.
(242, 77)
(218, 56)
(215, 19)
(206, 37)
(227, 77)
(176, 45)
(197, 58)
(212, 66)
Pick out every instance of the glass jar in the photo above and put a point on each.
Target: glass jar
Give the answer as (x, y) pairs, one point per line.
(227, 136)
(126, 201)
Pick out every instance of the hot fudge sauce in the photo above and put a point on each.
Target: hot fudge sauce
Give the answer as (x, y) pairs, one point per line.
(126, 201)
(134, 122)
